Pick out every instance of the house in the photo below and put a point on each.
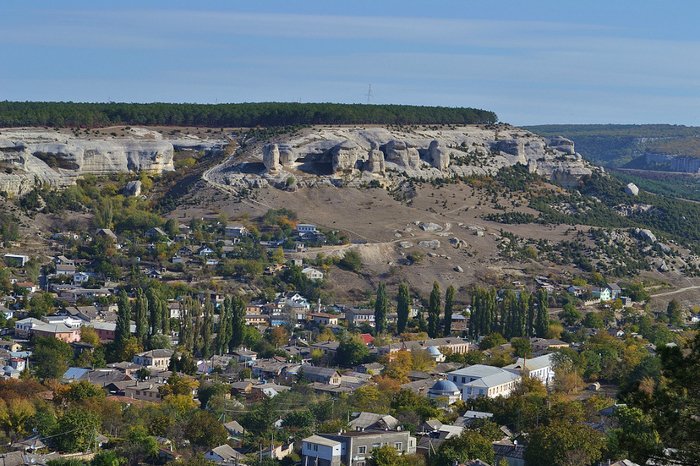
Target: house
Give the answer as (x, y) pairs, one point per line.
(244, 355)
(60, 259)
(29, 286)
(540, 368)
(154, 233)
(353, 448)
(59, 331)
(235, 231)
(205, 250)
(492, 386)
(513, 453)
(154, 359)
(23, 327)
(184, 251)
(368, 421)
(305, 228)
(456, 345)
(616, 332)
(324, 319)
(65, 269)
(234, 429)
(541, 344)
(615, 290)
(18, 259)
(603, 294)
(312, 274)
(469, 374)
(224, 454)
(280, 451)
(147, 391)
(357, 317)
(81, 277)
(322, 375)
(367, 338)
(106, 233)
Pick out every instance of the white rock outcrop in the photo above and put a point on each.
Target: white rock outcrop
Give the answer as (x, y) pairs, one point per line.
(271, 157)
(632, 189)
(439, 156)
(402, 153)
(132, 188)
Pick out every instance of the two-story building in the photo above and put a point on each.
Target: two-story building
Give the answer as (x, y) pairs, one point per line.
(353, 448)
(321, 374)
(358, 317)
(154, 359)
(540, 368)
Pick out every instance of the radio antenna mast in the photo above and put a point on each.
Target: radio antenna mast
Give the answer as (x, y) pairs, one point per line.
(369, 95)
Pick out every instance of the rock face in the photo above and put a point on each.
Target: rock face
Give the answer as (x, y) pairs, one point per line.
(132, 188)
(375, 161)
(402, 153)
(632, 189)
(645, 235)
(59, 163)
(271, 157)
(346, 155)
(563, 145)
(439, 156)
(287, 156)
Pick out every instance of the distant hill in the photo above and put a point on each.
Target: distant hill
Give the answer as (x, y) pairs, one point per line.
(620, 146)
(264, 114)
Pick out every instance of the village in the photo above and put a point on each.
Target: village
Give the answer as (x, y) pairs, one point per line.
(138, 343)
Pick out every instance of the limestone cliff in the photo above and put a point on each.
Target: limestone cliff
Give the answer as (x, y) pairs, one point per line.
(353, 155)
(56, 159)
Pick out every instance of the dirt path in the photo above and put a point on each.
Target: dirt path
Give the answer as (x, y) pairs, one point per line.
(679, 290)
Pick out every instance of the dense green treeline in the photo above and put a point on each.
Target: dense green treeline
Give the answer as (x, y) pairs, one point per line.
(71, 114)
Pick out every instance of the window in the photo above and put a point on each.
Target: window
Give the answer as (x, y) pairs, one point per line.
(362, 449)
(375, 445)
(463, 380)
(315, 447)
(398, 446)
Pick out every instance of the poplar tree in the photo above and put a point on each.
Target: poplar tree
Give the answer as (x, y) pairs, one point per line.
(237, 323)
(403, 308)
(141, 311)
(164, 317)
(542, 323)
(434, 312)
(449, 302)
(154, 310)
(380, 309)
(186, 325)
(530, 326)
(122, 331)
(223, 336)
(208, 330)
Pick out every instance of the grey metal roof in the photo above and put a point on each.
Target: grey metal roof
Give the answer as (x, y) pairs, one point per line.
(318, 440)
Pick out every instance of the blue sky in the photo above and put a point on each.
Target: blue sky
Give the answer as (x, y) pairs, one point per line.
(530, 62)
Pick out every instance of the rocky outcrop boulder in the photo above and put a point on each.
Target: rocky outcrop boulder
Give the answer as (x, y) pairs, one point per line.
(562, 144)
(432, 244)
(346, 155)
(430, 227)
(287, 155)
(375, 161)
(402, 153)
(439, 155)
(271, 157)
(646, 235)
(632, 189)
(132, 188)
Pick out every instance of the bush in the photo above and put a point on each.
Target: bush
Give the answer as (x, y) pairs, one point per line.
(351, 261)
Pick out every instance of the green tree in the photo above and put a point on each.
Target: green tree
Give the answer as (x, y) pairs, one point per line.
(403, 307)
(449, 303)
(52, 357)
(674, 311)
(351, 352)
(521, 347)
(141, 316)
(381, 306)
(434, 312)
(564, 444)
(238, 327)
(351, 261)
(77, 428)
(468, 446)
(593, 320)
(123, 328)
(542, 322)
(569, 314)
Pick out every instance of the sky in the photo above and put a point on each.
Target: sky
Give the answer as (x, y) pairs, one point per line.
(531, 62)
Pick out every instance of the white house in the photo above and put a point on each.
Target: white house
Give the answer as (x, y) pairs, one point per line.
(235, 231)
(224, 454)
(539, 368)
(492, 386)
(306, 228)
(471, 373)
(312, 274)
(321, 451)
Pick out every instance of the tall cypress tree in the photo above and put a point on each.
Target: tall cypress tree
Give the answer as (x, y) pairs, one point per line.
(164, 317)
(237, 323)
(403, 307)
(122, 332)
(208, 330)
(542, 323)
(381, 306)
(154, 309)
(449, 302)
(186, 326)
(141, 311)
(434, 312)
(223, 335)
(530, 326)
